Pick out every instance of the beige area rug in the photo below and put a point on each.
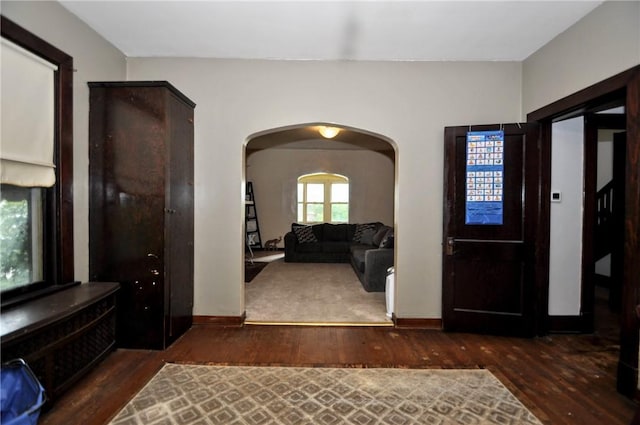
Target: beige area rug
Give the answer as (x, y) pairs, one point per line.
(235, 395)
(312, 293)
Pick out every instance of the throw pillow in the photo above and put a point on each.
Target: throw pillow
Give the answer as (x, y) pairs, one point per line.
(362, 229)
(380, 234)
(367, 237)
(304, 234)
(387, 242)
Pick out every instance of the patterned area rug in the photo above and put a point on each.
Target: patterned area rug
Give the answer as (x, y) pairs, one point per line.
(235, 395)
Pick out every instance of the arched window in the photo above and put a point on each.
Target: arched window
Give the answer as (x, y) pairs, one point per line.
(323, 198)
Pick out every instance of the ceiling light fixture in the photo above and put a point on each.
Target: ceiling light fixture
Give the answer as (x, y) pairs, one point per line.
(328, 132)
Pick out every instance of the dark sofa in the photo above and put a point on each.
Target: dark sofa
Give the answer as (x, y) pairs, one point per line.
(368, 247)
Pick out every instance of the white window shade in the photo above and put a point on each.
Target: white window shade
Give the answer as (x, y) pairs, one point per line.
(27, 125)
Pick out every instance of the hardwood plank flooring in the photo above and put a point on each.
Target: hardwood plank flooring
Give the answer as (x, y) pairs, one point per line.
(562, 379)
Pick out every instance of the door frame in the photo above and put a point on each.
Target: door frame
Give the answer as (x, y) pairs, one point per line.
(625, 85)
(592, 123)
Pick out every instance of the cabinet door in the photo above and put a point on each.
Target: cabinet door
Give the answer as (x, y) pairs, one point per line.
(127, 189)
(179, 215)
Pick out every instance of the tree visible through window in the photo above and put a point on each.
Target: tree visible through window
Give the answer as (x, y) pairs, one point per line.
(323, 198)
(21, 239)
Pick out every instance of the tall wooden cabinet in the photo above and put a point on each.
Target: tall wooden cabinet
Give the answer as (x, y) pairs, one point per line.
(141, 206)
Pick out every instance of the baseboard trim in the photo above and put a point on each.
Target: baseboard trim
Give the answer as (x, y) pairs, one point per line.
(626, 382)
(569, 324)
(416, 323)
(236, 321)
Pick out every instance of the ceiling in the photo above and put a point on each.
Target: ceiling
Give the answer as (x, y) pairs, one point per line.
(330, 30)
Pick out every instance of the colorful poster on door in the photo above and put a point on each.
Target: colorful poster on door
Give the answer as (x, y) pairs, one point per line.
(484, 177)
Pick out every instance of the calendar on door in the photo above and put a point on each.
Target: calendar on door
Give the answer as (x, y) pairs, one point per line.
(484, 177)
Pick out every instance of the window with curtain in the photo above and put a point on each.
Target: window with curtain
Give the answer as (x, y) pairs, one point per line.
(26, 162)
(36, 204)
(323, 198)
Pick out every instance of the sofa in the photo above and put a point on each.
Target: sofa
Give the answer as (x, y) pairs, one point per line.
(368, 247)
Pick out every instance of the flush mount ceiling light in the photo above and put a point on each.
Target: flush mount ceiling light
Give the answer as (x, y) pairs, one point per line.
(328, 132)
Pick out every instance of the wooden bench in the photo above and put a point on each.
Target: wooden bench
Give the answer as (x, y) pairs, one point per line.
(63, 335)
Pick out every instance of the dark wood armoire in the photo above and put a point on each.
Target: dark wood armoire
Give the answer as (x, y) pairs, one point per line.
(141, 206)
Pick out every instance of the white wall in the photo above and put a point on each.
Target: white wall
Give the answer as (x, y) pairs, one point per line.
(565, 247)
(95, 60)
(274, 174)
(602, 44)
(409, 103)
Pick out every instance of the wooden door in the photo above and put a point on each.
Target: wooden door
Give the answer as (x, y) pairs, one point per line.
(179, 220)
(488, 246)
(618, 214)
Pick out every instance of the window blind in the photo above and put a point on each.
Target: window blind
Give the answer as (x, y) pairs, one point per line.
(27, 118)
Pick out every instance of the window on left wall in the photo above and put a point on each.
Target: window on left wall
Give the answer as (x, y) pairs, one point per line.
(36, 161)
(21, 237)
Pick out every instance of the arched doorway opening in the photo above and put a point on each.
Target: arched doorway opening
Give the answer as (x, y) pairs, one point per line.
(275, 159)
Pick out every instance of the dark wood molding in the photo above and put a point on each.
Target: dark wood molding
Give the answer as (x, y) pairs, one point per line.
(571, 324)
(629, 340)
(542, 240)
(597, 95)
(609, 121)
(623, 87)
(234, 321)
(60, 197)
(154, 84)
(417, 323)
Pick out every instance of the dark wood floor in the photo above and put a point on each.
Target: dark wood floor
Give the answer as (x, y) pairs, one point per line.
(562, 379)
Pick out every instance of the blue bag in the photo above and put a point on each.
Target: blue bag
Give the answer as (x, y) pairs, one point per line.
(21, 394)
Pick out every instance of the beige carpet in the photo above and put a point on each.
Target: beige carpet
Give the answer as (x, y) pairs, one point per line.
(235, 395)
(312, 293)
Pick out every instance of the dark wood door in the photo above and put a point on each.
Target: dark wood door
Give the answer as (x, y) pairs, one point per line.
(618, 214)
(490, 213)
(179, 214)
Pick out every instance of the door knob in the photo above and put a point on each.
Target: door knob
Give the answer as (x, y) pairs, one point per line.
(451, 243)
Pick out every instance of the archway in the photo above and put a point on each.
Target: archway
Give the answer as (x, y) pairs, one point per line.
(275, 158)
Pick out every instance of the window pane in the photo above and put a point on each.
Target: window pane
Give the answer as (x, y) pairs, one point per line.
(315, 213)
(300, 215)
(315, 192)
(300, 192)
(20, 236)
(339, 213)
(340, 192)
